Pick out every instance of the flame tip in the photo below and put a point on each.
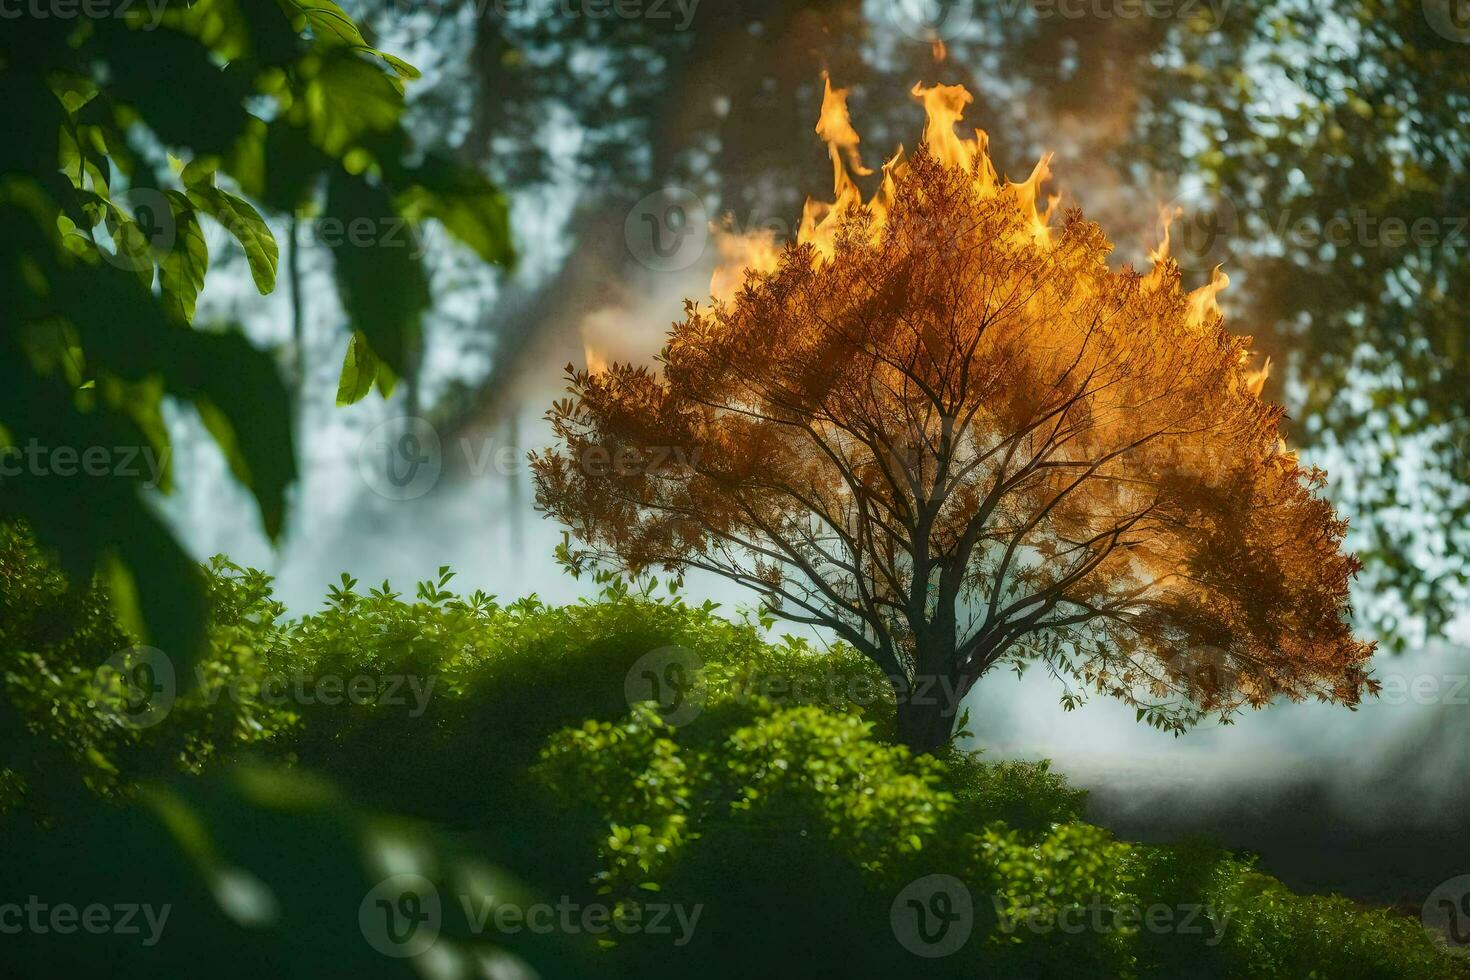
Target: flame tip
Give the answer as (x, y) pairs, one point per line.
(944, 107)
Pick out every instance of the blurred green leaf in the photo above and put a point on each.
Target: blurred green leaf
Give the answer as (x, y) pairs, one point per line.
(248, 228)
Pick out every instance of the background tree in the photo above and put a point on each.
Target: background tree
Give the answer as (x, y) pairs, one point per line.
(1264, 113)
(957, 443)
(1320, 151)
(1337, 138)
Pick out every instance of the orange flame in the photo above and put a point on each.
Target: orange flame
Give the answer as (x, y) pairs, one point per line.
(754, 250)
(1159, 255)
(834, 127)
(1255, 381)
(1202, 302)
(944, 107)
(592, 357)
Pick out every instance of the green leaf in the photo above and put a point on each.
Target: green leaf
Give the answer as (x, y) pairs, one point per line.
(247, 409)
(293, 166)
(73, 90)
(399, 66)
(246, 161)
(470, 207)
(181, 274)
(347, 99)
(125, 331)
(382, 283)
(329, 22)
(359, 369)
(122, 588)
(248, 228)
(142, 403)
(199, 172)
(133, 249)
(177, 85)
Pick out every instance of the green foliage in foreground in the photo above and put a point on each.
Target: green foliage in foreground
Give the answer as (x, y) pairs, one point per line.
(132, 132)
(783, 809)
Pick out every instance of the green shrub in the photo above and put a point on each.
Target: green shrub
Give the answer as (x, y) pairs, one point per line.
(632, 777)
(784, 804)
(1025, 795)
(66, 724)
(1274, 933)
(824, 772)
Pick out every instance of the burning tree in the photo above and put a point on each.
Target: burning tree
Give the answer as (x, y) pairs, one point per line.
(958, 439)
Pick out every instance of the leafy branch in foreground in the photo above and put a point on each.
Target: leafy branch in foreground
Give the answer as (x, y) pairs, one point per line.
(127, 136)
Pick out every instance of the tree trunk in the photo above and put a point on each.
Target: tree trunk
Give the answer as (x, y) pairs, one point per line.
(928, 706)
